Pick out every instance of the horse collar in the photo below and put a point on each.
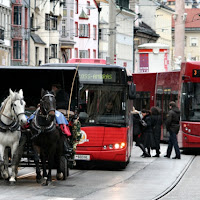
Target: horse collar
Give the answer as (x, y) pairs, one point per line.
(14, 126)
(35, 125)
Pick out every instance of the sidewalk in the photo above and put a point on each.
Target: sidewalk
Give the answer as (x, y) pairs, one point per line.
(151, 178)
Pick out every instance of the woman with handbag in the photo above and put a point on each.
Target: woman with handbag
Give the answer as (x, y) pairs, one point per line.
(137, 131)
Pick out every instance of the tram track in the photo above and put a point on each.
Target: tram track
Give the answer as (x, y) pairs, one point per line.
(171, 187)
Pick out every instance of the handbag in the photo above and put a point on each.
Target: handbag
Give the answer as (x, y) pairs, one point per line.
(143, 123)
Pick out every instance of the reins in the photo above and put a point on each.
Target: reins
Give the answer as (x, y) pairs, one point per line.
(72, 91)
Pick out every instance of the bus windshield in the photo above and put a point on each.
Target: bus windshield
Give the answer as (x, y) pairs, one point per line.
(190, 102)
(102, 105)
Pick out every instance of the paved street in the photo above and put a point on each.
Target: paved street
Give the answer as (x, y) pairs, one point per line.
(143, 179)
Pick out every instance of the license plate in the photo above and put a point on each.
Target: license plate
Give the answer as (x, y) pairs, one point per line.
(82, 157)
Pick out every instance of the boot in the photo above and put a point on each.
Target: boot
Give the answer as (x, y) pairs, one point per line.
(145, 154)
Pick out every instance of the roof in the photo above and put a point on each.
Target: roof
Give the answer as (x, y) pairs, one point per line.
(36, 38)
(152, 45)
(144, 28)
(193, 17)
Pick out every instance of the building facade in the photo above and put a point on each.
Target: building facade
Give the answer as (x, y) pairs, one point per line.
(85, 29)
(123, 32)
(45, 23)
(20, 32)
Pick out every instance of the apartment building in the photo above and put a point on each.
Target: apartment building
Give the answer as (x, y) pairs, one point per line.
(5, 28)
(45, 22)
(20, 32)
(86, 22)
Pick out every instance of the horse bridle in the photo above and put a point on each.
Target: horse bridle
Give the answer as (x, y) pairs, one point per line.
(42, 101)
(12, 107)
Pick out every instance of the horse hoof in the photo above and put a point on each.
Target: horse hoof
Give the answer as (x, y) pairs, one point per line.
(12, 183)
(46, 183)
(59, 176)
(38, 180)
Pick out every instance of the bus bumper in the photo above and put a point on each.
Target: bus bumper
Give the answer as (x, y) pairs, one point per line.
(112, 155)
(188, 141)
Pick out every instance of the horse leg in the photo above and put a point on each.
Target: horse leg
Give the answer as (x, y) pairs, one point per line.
(36, 160)
(3, 170)
(14, 166)
(43, 160)
(59, 174)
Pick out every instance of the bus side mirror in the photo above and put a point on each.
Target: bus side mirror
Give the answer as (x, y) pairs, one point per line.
(132, 91)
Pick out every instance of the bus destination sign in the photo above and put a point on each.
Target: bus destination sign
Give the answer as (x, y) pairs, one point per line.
(196, 73)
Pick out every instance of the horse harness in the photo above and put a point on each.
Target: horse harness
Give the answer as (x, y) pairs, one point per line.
(15, 124)
(35, 124)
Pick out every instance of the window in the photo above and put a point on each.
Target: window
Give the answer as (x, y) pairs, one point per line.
(83, 30)
(36, 55)
(76, 29)
(17, 49)
(47, 22)
(76, 6)
(17, 15)
(193, 42)
(103, 34)
(53, 50)
(94, 53)
(83, 54)
(46, 55)
(94, 32)
(76, 53)
(88, 9)
(54, 23)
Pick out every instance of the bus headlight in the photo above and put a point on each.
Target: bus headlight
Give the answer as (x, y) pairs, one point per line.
(117, 146)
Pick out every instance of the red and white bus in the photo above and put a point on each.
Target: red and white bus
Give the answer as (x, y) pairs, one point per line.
(105, 136)
(156, 89)
(189, 136)
(183, 87)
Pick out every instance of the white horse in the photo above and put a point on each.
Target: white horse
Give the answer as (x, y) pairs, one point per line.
(12, 117)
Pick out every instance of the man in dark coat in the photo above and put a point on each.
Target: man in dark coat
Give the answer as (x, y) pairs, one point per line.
(62, 98)
(172, 125)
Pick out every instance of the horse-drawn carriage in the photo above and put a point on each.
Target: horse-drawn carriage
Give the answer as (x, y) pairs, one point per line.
(42, 134)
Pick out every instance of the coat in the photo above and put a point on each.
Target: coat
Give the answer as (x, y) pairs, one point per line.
(147, 133)
(156, 127)
(172, 121)
(62, 100)
(136, 125)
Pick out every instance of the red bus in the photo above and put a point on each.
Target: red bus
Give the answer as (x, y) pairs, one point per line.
(183, 87)
(105, 101)
(156, 89)
(105, 136)
(189, 135)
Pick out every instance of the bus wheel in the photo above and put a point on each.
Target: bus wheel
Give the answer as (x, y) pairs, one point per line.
(122, 165)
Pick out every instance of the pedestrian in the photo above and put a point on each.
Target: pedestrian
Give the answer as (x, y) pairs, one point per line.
(148, 138)
(137, 130)
(172, 125)
(156, 127)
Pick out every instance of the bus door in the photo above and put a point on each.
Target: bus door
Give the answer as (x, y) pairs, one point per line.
(165, 110)
(168, 96)
(142, 100)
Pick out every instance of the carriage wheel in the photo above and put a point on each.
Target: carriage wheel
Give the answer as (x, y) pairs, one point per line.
(64, 167)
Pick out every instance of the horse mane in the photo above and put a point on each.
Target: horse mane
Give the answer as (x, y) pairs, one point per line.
(17, 96)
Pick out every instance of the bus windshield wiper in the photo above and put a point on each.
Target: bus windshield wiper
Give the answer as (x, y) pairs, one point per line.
(109, 124)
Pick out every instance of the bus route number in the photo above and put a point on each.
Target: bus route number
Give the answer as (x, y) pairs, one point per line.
(196, 73)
